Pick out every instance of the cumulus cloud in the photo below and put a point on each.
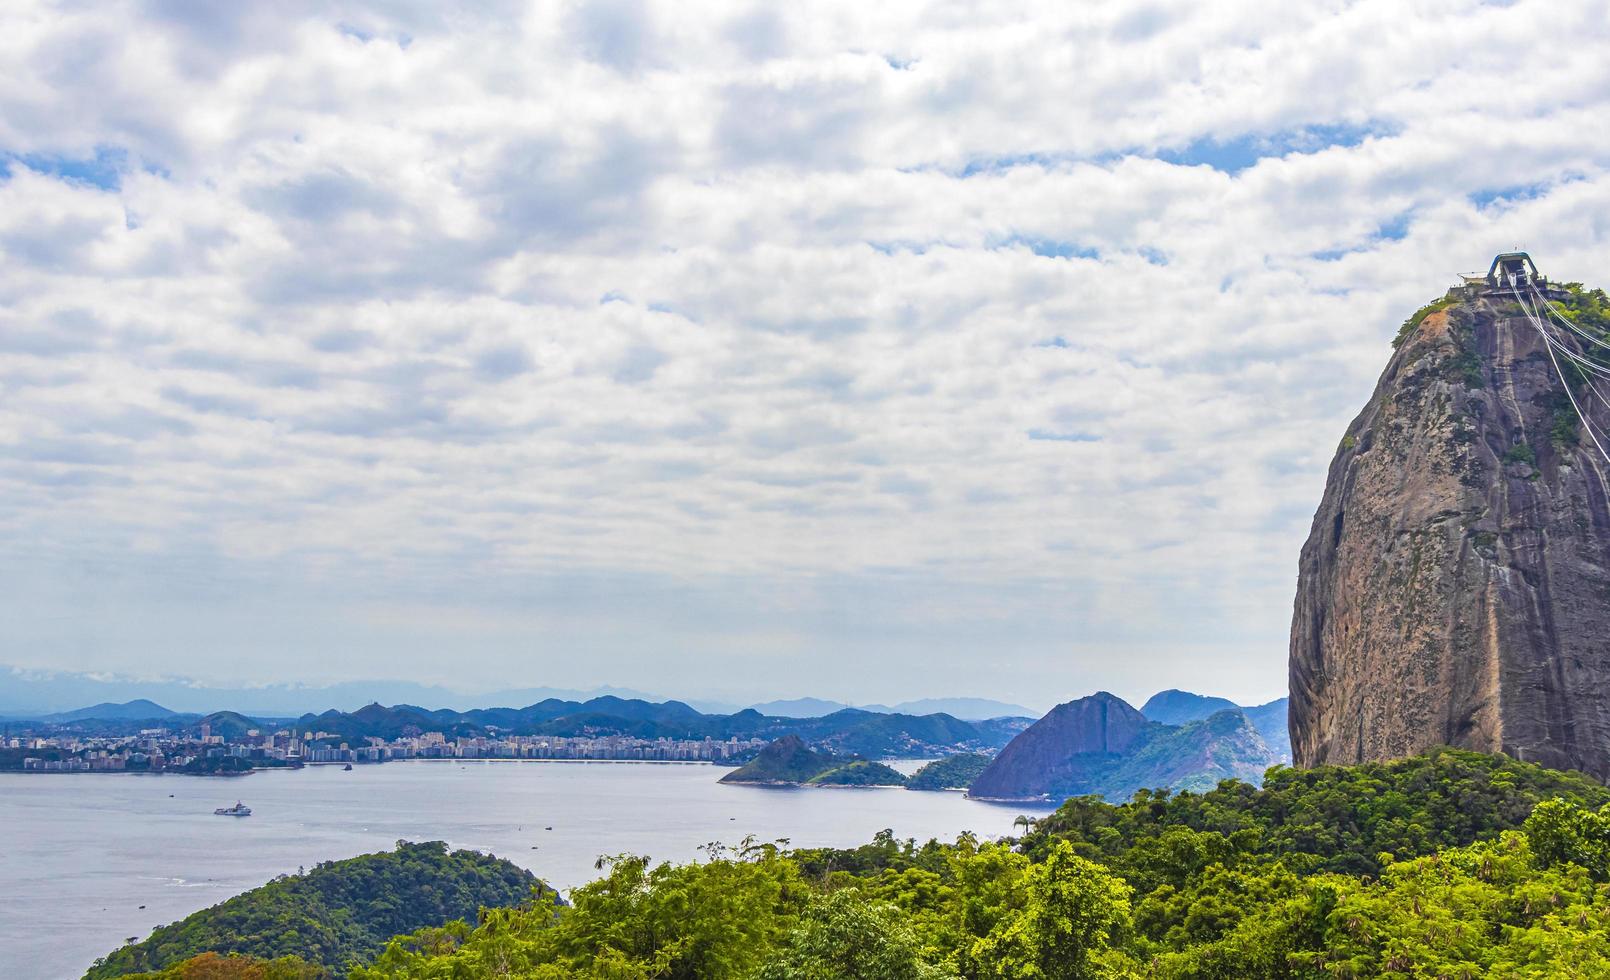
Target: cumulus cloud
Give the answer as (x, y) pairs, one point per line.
(868, 351)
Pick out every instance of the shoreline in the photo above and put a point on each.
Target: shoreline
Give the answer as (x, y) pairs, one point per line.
(240, 773)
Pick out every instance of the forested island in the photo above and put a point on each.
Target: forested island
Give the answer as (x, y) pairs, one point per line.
(790, 762)
(1448, 864)
(339, 914)
(952, 772)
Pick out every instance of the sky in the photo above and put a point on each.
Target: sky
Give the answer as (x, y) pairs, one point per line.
(864, 351)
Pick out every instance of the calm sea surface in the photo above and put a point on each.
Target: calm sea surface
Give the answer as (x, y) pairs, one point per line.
(87, 861)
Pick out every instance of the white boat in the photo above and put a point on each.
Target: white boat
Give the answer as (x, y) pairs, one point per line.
(238, 810)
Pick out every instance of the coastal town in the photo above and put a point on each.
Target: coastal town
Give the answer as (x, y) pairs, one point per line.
(206, 753)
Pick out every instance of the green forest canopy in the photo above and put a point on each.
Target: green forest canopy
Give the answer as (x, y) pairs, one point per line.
(339, 913)
(1450, 864)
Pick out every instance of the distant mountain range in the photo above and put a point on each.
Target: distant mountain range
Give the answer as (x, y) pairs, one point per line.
(32, 694)
(971, 709)
(1174, 707)
(850, 731)
(136, 710)
(1102, 745)
(35, 694)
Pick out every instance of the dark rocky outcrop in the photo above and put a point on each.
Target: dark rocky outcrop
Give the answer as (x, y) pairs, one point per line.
(1102, 745)
(1455, 587)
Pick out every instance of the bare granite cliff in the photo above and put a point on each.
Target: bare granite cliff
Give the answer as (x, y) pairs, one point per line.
(1455, 587)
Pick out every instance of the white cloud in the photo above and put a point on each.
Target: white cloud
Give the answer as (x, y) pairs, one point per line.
(732, 349)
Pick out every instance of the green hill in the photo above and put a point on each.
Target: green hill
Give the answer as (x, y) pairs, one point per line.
(786, 761)
(859, 773)
(230, 724)
(952, 772)
(340, 913)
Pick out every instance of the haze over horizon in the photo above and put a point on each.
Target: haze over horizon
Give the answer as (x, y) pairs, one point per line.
(725, 352)
(45, 692)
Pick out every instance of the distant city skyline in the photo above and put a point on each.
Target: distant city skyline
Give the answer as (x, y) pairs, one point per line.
(732, 351)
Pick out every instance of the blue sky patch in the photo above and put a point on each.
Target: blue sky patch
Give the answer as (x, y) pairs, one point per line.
(1332, 254)
(1512, 194)
(997, 165)
(1045, 435)
(1244, 152)
(1048, 248)
(898, 247)
(1396, 228)
(104, 169)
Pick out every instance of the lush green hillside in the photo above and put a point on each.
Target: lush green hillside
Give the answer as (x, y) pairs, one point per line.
(230, 724)
(340, 912)
(211, 966)
(1333, 818)
(859, 773)
(1175, 707)
(951, 772)
(1193, 756)
(790, 762)
(1489, 876)
(785, 761)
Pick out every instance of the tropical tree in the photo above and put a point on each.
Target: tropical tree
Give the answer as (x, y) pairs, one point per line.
(1073, 910)
(844, 937)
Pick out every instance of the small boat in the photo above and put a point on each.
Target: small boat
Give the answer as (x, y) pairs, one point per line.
(238, 810)
(347, 767)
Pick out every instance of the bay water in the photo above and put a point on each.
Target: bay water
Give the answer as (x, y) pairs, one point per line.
(88, 861)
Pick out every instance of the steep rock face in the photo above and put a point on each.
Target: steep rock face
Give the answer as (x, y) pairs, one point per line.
(1069, 746)
(1455, 587)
